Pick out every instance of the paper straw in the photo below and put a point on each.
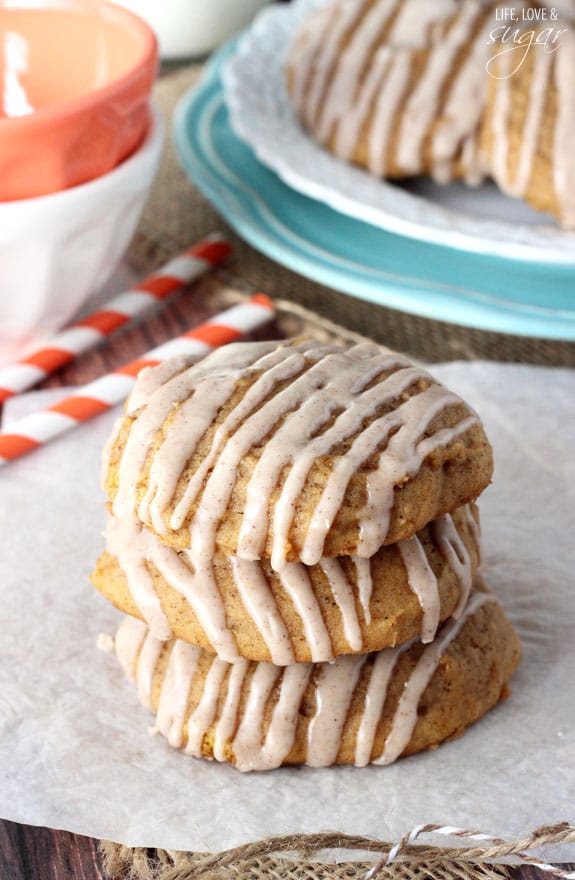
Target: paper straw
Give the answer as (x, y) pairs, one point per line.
(64, 347)
(103, 393)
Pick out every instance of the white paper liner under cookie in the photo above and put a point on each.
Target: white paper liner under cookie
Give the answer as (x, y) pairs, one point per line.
(76, 755)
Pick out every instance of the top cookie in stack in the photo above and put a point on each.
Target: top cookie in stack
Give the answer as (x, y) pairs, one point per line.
(293, 453)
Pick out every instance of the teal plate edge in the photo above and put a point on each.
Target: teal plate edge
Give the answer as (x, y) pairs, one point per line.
(488, 293)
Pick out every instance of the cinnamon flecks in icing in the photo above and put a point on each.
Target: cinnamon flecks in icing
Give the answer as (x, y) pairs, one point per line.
(175, 689)
(233, 701)
(405, 716)
(136, 549)
(308, 401)
(130, 546)
(262, 607)
(423, 582)
(364, 581)
(296, 582)
(356, 74)
(334, 686)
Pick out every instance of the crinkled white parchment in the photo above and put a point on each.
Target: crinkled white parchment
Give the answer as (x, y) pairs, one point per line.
(75, 752)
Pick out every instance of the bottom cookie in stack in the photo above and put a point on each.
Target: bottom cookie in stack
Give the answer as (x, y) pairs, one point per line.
(358, 709)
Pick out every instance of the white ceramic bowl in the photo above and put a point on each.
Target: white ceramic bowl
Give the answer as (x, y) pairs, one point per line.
(57, 250)
(187, 28)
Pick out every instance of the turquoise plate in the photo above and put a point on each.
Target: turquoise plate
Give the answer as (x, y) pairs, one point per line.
(490, 293)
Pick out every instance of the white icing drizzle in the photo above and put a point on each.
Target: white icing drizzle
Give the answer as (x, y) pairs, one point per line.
(401, 458)
(462, 114)
(343, 595)
(154, 400)
(276, 373)
(470, 512)
(296, 582)
(200, 589)
(530, 135)
(332, 384)
(250, 749)
(175, 690)
(416, 19)
(405, 717)
(385, 110)
(188, 427)
(423, 102)
(147, 659)
(382, 670)
(260, 604)
(334, 689)
(247, 742)
(357, 408)
(500, 113)
(129, 544)
(228, 719)
(458, 559)
(348, 133)
(204, 714)
(423, 582)
(364, 582)
(250, 685)
(129, 639)
(311, 34)
(151, 378)
(321, 65)
(542, 66)
(473, 161)
(343, 89)
(281, 732)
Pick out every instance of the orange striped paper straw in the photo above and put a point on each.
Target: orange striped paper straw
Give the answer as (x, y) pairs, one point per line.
(64, 347)
(107, 391)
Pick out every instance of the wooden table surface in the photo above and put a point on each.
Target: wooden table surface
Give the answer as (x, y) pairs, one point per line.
(30, 853)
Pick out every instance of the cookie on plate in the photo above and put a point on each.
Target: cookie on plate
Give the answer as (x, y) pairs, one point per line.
(529, 126)
(395, 86)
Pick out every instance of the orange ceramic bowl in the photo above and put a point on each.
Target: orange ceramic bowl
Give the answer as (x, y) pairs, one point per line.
(75, 84)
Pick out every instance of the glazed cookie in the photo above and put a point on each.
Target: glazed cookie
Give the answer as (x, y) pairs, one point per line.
(356, 710)
(529, 127)
(395, 86)
(340, 606)
(293, 452)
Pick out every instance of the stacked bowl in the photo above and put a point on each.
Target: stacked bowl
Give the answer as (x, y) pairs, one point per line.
(79, 147)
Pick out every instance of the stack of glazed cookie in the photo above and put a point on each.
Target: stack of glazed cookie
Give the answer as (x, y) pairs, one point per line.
(294, 539)
(452, 89)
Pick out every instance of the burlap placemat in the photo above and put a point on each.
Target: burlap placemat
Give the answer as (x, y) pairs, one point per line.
(405, 860)
(177, 214)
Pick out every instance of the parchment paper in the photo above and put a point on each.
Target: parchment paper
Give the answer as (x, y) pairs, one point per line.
(75, 752)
